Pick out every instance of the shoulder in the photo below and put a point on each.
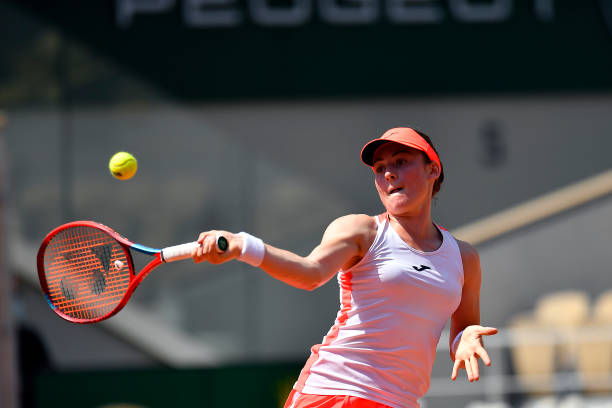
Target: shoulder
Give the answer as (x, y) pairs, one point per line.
(359, 227)
(354, 225)
(468, 252)
(356, 221)
(471, 262)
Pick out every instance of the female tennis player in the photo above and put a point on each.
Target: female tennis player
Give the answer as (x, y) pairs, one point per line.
(401, 278)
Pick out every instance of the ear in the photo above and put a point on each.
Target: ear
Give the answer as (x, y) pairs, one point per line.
(434, 170)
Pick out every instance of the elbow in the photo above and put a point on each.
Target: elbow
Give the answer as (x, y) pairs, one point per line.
(321, 275)
(315, 278)
(307, 275)
(309, 285)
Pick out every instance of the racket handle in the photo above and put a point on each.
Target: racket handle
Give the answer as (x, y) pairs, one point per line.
(178, 252)
(184, 251)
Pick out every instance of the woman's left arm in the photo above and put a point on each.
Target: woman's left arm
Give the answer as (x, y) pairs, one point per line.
(466, 345)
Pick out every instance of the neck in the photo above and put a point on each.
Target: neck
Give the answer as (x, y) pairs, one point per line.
(417, 230)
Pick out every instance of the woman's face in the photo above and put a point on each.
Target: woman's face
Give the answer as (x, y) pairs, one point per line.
(404, 179)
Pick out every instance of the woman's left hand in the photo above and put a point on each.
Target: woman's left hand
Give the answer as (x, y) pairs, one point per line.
(470, 349)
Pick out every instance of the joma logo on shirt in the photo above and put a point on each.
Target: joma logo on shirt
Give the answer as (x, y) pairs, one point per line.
(421, 268)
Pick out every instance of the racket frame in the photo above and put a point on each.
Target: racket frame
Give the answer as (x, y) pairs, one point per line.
(126, 244)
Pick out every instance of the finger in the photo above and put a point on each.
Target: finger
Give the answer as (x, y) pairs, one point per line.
(456, 367)
(474, 365)
(207, 244)
(201, 237)
(197, 255)
(212, 240)
(468, 369)
(200, 248)
(487, 331)
(482, 353)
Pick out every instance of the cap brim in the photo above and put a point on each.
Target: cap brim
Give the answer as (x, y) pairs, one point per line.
(367, 153)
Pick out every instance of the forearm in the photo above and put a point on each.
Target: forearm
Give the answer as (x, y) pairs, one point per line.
(292, 269)
(341, 242)
(468, 312)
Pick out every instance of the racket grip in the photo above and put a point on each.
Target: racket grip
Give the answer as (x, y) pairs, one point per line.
(184, 251)
(178, 252)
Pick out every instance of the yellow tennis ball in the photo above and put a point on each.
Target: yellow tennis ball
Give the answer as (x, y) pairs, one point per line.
(123, 165)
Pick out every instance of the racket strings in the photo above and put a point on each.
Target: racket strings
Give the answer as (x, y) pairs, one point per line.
(87, 272)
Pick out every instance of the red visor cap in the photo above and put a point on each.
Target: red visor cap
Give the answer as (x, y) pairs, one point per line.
(404, 136)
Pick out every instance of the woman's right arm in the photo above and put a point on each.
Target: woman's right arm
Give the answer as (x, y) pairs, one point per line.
(344, 243)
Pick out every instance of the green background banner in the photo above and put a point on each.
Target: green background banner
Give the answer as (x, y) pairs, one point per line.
(200, 49)
(235, 386)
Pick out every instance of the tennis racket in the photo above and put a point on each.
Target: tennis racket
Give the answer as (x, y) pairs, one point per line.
(87, 273)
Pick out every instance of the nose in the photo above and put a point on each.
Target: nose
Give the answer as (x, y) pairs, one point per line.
(390, 175)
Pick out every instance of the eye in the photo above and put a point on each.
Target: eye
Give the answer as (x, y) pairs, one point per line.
(379, 169)
(401, 161)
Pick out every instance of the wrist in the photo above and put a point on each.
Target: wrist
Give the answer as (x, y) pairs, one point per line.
(253, 249)
(455, 343)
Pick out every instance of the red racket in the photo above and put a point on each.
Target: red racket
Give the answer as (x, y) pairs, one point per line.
(87, 273)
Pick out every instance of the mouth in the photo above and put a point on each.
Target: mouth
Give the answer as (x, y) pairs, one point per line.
(395, 190)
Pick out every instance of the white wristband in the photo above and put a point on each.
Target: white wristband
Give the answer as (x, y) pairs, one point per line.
(253, 249)
(455, 343)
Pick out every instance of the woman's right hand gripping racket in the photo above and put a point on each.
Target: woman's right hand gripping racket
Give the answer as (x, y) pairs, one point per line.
(87, 273)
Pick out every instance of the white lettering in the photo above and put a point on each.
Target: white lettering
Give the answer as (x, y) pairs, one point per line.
(297, 14)
(414, 11)
(126, 9)
(352, 12)
(211, 13)
(231, 13)
(498, 10)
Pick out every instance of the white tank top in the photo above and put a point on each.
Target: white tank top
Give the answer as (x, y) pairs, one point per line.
(395, 303)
